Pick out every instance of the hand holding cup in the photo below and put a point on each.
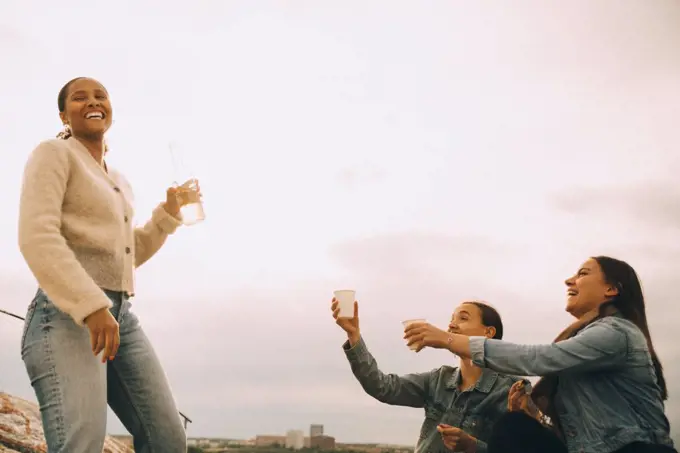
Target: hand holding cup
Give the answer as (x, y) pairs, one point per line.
(349, 322)
(185, 202)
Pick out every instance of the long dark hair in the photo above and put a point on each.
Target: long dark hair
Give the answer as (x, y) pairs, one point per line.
(490, 318)
(61, 104)
(630, 302)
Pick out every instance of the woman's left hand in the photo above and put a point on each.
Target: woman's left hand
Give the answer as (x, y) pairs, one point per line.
(456, 439)
(426, 335)
(172, 201)
(177, 196)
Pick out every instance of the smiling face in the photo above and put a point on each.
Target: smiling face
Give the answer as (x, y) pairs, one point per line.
(588, 289)
(467, 320)
(86, 109)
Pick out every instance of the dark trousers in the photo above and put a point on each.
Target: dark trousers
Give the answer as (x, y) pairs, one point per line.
(516, 432)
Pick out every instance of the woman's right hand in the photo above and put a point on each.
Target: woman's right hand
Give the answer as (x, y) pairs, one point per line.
(349, 325)
(104, 333)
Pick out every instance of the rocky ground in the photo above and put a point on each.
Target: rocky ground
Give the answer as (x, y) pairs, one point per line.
(21, 429)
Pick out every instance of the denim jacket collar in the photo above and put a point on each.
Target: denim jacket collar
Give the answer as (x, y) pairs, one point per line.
(484, 384)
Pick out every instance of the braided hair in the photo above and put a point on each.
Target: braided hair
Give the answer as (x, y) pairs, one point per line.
(61, 103)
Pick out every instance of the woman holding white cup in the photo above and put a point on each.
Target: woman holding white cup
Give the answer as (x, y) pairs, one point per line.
(461, 403)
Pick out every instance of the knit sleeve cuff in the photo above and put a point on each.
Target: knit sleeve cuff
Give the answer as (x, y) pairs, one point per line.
(85, 307)
(166, 222)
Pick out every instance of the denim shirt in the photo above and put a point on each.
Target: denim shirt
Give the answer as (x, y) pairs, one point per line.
(474, 410)
(607, 396)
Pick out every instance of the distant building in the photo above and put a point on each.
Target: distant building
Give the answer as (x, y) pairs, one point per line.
(322, 442)
(308, 442)
(267, 441)
(217, 443)
(295, 439)
(238, 442)
(315, 430)
(204, 442)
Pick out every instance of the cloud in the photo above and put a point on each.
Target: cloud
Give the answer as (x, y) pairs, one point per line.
(653, 204)
(417, 253)
(353, 177)
(638, 223)
(12, 38)
(431, 272)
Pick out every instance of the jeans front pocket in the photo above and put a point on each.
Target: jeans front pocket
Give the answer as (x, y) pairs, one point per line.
(29, 316)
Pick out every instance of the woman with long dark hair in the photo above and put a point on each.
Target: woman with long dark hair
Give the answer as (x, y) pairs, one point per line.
(603, 387)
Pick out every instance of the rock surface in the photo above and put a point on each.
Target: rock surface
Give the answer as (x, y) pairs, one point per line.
(21, 428)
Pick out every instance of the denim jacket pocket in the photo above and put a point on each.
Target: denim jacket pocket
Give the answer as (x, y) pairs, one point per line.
(477, 426)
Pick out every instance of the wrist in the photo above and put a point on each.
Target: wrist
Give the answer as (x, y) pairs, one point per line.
(173, 211)
(353, 338)
(459, 345)
(89, 317)
(450, 343)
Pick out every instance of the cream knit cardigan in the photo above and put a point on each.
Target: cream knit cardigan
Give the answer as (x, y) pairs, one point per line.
(76, 228)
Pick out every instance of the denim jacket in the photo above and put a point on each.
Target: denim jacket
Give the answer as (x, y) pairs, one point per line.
(607, 396)
(474, 411)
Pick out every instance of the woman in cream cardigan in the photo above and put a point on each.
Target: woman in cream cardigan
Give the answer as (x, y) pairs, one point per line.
(82, 346)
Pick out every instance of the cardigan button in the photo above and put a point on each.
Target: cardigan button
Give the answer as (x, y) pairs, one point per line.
(127, 250)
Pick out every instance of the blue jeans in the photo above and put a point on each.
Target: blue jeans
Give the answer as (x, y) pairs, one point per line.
(73, 387)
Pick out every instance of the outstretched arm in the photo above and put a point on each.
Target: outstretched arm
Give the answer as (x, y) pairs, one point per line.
(408, 390)
(600, 345)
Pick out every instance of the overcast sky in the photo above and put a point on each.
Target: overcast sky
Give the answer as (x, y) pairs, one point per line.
(421, 152)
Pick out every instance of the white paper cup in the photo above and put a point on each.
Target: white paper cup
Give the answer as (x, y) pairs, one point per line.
(407, 323)
(345, 298)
